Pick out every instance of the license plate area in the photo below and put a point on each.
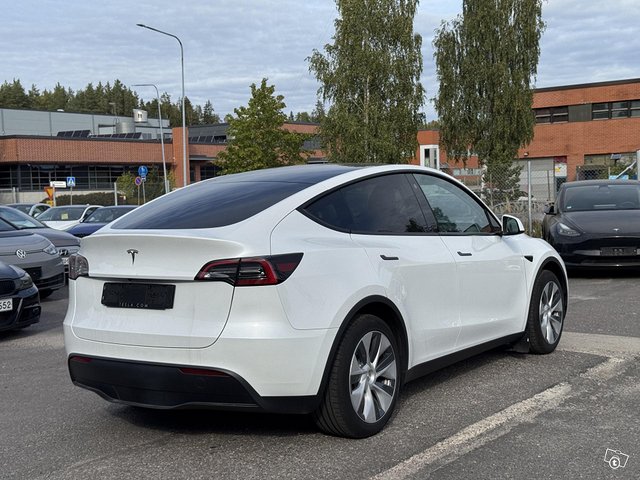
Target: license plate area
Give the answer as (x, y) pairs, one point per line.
(151, 296)
(618, 251)
(6, 305)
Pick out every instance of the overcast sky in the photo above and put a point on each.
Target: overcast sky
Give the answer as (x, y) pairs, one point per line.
(229, 44)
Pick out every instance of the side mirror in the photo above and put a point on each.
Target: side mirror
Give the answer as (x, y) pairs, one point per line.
(550, 209)
(511, 225)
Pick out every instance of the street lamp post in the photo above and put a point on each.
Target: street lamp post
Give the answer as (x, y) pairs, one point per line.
(184, 123)
(164, 163)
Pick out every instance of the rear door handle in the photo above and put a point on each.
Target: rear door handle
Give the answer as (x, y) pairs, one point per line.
(465, 254)
(384, 257)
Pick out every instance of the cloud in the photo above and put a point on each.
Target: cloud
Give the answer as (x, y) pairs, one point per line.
(229, 44)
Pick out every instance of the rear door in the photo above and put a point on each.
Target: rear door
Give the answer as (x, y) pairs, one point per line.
(491, 277)
(408, 257)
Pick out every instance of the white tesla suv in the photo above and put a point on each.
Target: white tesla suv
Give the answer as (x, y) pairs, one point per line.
(308, 289)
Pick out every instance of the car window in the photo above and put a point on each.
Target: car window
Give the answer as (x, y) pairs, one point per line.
(62, 214)
(38, 210)
(209, 204)
(454, 209)
(19, 219)
(582, 198)
(6, 227)
(379, 205)
(22, 208)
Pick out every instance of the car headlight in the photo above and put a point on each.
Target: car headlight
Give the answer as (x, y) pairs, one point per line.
(567, 231)
(25, 282)
(51, 250)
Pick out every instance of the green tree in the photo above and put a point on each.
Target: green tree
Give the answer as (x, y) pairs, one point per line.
(12, 95)
(153, 186)
(486, 60)
(208, 114)
(258, 139)
(370, 77)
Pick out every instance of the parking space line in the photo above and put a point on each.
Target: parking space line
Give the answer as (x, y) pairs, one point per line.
(597, 344)
(499, 424)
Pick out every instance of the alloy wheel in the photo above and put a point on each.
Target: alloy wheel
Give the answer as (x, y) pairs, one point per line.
(373, 376)
(551, 312)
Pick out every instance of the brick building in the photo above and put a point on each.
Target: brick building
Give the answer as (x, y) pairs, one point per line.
(582, 132)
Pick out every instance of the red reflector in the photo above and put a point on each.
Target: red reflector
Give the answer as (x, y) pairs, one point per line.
(79, 359)
(202, 372)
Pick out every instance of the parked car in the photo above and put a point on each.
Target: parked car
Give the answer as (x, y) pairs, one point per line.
(32, 209)
(34, 254)
(19, 300)
(596, 223)
(67, 216)
(98, 219)
(63, 241)
(307, 289)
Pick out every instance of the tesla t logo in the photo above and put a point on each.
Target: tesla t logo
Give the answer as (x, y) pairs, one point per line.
(133, 254)
(21, 254)
(616, 229)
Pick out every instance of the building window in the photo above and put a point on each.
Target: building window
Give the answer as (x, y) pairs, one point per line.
(552, 115)
(624, 109)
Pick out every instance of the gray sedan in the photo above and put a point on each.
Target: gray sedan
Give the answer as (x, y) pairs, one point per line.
(34, 254)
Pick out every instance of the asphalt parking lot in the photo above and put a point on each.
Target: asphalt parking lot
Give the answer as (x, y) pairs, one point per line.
(498, 415)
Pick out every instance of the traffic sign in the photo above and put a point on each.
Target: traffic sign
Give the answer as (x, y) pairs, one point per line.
(142, 171)
(49, 191)
(58, 183)
(71, 182)
(138, 181)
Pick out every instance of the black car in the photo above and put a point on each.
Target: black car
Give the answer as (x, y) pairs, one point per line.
(19, 300)
(596, 223)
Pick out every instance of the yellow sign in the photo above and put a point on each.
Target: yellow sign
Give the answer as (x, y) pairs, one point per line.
(50, 191)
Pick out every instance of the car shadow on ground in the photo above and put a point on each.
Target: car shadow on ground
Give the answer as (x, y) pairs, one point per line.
(208, 421)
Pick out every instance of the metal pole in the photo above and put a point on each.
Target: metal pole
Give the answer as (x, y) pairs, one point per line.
(529, 194)
(164, 163)
(184, 123)
(115, 193)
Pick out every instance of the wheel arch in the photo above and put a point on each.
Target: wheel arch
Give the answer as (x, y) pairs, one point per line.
(383, 308)
(553, 265)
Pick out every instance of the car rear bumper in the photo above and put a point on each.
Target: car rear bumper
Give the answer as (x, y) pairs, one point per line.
(163, 386)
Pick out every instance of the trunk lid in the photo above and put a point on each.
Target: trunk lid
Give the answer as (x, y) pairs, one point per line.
(200, 308)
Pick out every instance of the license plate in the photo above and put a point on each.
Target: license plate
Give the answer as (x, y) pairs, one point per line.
(618, 251)
(138, 295)
(6, 305)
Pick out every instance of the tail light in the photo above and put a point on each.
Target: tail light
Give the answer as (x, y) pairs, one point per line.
(78, 266)
(242, 272)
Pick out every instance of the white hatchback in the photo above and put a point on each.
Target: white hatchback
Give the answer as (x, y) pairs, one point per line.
(310, 289)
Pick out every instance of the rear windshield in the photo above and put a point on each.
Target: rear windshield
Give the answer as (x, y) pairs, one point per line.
(62, 214)
(209, 204)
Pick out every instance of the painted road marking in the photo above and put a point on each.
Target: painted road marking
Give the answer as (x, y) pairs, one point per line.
(501, 423)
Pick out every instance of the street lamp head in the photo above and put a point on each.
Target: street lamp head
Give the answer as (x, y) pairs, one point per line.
(141, 25)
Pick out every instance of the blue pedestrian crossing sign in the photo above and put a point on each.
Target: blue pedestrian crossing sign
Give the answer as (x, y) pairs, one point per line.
(142, 171)
(71, 182)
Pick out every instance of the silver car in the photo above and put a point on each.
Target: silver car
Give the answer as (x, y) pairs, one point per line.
(34, 254)
(66, 243)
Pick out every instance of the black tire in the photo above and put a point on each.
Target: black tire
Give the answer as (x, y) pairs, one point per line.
(45, 293)
(379, 391)
(546, 313)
